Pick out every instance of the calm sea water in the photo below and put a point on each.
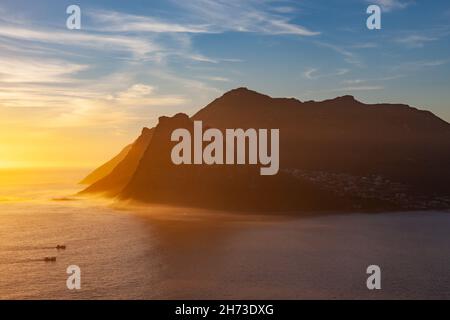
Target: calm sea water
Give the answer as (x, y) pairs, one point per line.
(174, 253)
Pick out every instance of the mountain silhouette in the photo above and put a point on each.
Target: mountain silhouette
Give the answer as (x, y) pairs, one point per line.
(240, 187)
(114, 182)
(334, 154)
(106, 168)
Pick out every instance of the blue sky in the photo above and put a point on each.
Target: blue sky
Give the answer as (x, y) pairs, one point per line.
(133, 61)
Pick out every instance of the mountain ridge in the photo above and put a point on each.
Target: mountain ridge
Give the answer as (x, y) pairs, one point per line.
(331, 138)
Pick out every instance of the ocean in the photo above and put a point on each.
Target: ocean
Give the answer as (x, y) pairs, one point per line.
(157, 252)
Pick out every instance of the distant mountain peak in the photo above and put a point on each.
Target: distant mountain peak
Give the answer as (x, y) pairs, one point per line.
(243, 92)
(178, 116)
(239, 90)
(347, 99)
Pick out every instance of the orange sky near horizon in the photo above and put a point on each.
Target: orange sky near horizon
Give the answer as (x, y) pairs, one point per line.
(26, 146)
(76, 133)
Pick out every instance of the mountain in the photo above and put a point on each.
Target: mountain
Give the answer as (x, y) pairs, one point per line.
(113, 183)
(344, 135)
(158, 180)
(106, 168)
(334, 154)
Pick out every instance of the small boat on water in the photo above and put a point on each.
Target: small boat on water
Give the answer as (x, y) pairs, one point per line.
(61, 247)
(50, 259)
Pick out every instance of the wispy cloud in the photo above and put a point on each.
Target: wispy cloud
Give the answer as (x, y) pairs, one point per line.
(242, 16)
(313, 73)
(348, 55)
(138, 47)
(357, 88)
(31, 50)
(415, 40)
(142, 94)
(41, 68)
(112, 21)
(220, 79)
(381, 79)
(27, 70)
(367, 45)
(284, 9)
(309, 74)
(207, 16)
(391, 5)
(419, 64)
(176, 41)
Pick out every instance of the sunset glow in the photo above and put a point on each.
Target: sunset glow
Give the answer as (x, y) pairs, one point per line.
(71, 97)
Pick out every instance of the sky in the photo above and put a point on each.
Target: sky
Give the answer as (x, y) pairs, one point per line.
(76, 97)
